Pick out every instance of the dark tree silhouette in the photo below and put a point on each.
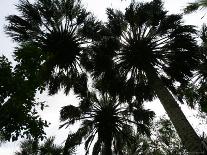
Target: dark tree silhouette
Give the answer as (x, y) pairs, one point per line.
(163, 141)
(18, 114)
(138, 55)
(152, 51)
(49, 32)
(105, 121)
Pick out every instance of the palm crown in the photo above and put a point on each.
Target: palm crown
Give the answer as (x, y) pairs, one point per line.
(105, 121)
(52, 29)
(151, 38)
(143, 38)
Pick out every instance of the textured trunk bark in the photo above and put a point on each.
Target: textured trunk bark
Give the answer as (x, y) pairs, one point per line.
(184, 129)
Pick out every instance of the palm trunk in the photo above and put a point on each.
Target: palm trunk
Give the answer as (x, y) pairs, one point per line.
(107, 145)
(184, 129)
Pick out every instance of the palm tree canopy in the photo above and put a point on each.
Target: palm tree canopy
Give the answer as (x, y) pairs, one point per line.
(151, 50)
(126, 49)
(104, 120)
(142, 38)
(52, 30)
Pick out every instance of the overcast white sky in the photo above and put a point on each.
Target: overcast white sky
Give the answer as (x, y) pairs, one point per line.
(56, 102)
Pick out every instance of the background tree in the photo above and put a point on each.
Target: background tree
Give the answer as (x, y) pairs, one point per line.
(163, 141)
(18, 115)
(2, 139)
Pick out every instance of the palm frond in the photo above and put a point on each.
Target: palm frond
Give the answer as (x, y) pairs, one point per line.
(192, 7)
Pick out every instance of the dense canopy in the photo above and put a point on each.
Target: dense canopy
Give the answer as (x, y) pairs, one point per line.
(113, 68)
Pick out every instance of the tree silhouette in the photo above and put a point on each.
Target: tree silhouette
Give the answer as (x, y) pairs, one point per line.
(52, 30)
(195, 92)
(106, 122)
(18, 114)
(138, 55)
(151, 50)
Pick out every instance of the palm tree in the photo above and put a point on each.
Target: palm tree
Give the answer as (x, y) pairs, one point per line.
(105, 122)
(32, 147)
(55, 26)
(152, 50)
(191, 7)
(52, 30)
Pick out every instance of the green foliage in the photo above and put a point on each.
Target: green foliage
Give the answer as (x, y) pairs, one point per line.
(5, 78)
(18, 105)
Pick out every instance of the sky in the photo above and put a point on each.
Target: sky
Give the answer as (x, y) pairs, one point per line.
(55, 102)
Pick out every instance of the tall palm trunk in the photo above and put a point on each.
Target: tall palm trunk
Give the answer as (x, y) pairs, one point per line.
(184, 129)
